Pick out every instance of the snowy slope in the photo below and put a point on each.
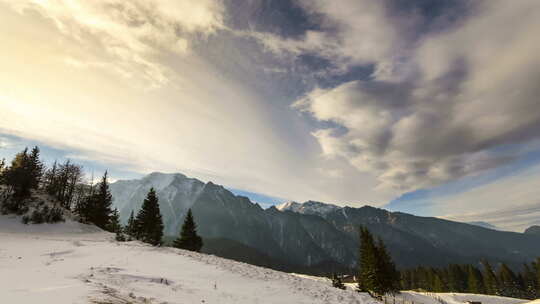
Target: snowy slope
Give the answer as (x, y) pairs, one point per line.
(74, 263)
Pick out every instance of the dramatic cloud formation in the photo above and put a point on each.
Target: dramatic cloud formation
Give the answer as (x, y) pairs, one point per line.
(470, 90)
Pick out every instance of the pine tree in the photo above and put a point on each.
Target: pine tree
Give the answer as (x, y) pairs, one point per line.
(387, 273)
(508, 282)
(474, 281)
(149, 224)
(438, 284)
(377, 273)
(188, 238)
(490, 280)
(115, 226)
(131, 230)
(367, 262)
(35, 168)
(98, 207)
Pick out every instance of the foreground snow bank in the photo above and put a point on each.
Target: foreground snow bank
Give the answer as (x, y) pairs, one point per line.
(452, 298)
(74, 263)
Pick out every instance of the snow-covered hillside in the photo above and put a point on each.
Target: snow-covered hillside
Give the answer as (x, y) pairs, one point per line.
(75, 263)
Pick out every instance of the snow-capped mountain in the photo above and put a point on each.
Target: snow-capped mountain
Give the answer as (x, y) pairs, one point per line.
(309, 207)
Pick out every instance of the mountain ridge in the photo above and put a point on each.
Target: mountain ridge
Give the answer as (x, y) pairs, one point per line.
(316, 233)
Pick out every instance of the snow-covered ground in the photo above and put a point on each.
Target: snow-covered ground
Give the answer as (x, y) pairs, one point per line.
(450, 298)
(74, 263)
(414, 297)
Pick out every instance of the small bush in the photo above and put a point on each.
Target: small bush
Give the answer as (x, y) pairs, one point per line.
(25, 219)
(37, 217)
(46, 215)
(55, 215)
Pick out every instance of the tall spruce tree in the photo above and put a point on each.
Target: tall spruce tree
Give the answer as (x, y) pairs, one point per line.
(387, 273)
(35, 168)
(98, 208)
(377, 273)
(148, 223)
(188, 238)
(367, 261)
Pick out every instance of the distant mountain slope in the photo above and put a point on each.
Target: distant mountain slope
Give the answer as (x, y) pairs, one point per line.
(314, 233)
(534, 230)
(484, 224)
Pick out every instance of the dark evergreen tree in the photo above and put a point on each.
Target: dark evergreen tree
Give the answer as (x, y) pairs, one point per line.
(386, 270)
(367, 262)
(149, 224)
(475, 281)
(24, 173)
(35, 168)
(490, 280)
(529, 280)
(115, 226)
(98, 205)
(438, 284)
(377, 273)
(189, 239)
(131, 229)
(508, 283)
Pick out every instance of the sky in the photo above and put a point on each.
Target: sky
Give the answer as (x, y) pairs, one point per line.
(422, 106)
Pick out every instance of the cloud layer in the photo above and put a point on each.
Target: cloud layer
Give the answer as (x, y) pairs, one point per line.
(448, 109)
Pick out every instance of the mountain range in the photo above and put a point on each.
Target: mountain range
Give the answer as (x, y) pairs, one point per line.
(314, 236)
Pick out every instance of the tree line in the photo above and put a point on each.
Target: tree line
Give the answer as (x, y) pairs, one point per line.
(468, 278)
(378, 276)
(92, 204)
